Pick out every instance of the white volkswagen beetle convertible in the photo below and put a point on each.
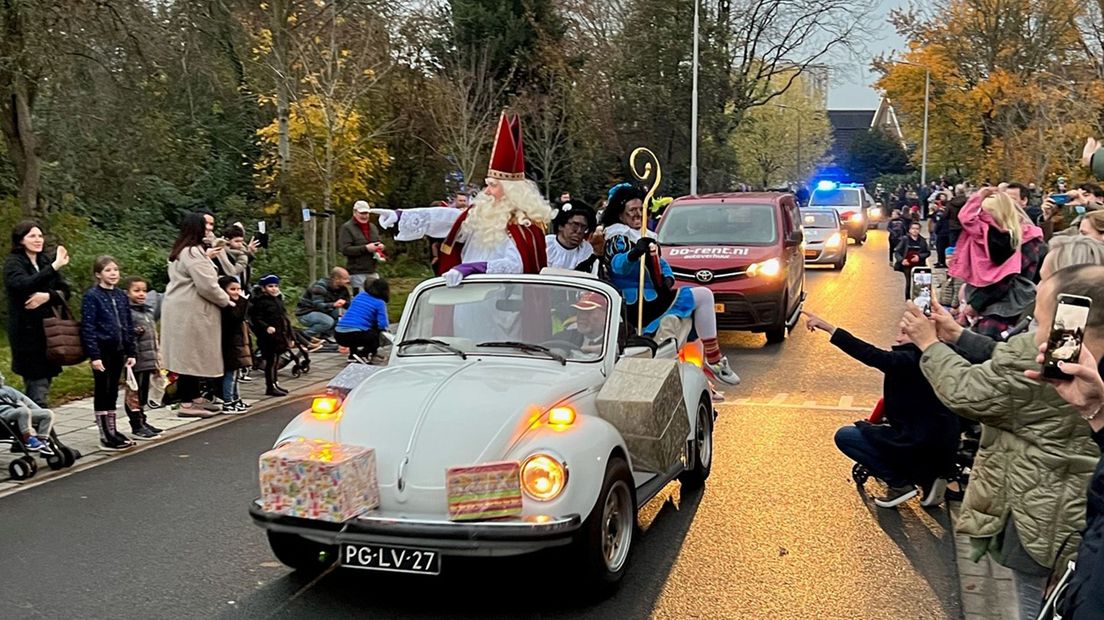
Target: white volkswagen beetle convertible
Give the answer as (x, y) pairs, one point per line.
(508, 368)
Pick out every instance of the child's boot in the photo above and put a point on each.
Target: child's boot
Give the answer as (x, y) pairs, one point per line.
(107, 435)
(149, 427)
(138, 426)
(120, 439)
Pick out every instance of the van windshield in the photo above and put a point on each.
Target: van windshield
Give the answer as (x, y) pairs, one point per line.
(719, 224)
(835, 198)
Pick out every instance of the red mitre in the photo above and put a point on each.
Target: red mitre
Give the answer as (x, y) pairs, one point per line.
(508, 153)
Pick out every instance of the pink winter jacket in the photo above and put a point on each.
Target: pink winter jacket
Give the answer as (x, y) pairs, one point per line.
(971, 258)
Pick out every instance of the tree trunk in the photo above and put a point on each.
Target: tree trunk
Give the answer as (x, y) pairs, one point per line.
(22, 144)
(280, 51)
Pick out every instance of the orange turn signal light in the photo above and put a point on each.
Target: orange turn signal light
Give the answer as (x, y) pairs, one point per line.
(325, 407)
(561, 416)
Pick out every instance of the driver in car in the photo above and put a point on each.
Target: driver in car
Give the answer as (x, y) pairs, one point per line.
(590, 323)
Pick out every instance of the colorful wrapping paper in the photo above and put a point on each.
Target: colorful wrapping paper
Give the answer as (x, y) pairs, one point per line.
(486, 491)
(314, 479)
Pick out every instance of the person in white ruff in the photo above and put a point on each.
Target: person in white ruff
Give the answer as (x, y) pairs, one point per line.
(504, 229)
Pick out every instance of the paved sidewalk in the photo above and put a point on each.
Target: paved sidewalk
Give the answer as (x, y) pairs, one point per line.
(987, 590)
(75, 424)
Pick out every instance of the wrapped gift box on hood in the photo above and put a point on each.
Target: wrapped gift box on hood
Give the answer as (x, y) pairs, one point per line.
(486, 491)
(314, 479)
(643, 400)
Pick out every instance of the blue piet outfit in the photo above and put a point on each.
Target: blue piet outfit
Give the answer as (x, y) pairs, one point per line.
(660, 298)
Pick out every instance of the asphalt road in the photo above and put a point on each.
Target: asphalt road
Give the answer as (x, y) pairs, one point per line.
(779, 531)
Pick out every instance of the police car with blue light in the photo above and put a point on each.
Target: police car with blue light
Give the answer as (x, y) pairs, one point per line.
(851, 201)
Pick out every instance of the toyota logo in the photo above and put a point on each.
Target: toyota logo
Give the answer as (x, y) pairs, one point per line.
(704, 275)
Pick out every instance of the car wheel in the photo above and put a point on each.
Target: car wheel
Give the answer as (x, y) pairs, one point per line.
(860, 240)
(702, 447)
(776, 335)
(606, 540)
(840, 263)
(299, 553)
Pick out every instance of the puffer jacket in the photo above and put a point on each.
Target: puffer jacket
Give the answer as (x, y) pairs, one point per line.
(1036, 455)
(105, 322)
(145, 330)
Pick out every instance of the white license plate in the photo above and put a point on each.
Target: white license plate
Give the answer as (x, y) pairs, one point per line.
(718, 307)
(392, 559)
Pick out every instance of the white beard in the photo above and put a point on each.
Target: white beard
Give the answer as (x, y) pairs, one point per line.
(521, 203)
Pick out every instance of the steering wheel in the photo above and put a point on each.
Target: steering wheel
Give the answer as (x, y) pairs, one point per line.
(565, 345)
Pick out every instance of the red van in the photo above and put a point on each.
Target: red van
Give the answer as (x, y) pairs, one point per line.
(747, 248)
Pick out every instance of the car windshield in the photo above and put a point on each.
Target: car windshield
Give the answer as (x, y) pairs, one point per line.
(835, 198)
(522, 319)
(719, 224)
(819, 219)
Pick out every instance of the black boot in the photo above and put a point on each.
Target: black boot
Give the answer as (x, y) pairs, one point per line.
(119, 437)
(138, 426)
(149, 427)
(108, 438)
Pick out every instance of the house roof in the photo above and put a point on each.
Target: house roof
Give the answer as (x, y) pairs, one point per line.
(846, 124)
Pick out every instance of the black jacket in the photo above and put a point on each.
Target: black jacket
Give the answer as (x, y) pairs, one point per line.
(908, 244)
(921, 435)
(954, 205)
(267, 311)
(106, 323)
(25, 334)
(1085, 596)
(235, 339)
(897, 228)
(320, 297)
(351, 241)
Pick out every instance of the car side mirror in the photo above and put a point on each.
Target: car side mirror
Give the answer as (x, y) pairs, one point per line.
(795, 239)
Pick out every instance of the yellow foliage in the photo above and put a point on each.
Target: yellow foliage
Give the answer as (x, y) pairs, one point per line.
(356, 166)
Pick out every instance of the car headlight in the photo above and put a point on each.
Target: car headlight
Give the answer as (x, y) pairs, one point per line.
(856, 217)
(543, 477)
(876, 212)
(834, 241)
(768, 268)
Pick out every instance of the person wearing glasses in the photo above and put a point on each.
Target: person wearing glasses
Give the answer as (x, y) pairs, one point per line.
(568, 246)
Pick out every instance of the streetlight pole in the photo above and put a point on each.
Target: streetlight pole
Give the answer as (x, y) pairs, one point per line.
(924, 153)
(694, 110)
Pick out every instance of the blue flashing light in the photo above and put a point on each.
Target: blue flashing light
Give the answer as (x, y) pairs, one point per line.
(826, 185)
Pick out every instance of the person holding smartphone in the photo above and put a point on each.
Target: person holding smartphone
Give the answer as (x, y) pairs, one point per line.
(912, 251)
(1027, 488)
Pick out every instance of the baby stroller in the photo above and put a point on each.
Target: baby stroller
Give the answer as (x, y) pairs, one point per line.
(26, 466)
(296, 356)
(957, 478)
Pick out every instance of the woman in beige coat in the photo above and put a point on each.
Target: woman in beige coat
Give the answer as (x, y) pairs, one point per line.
(191, 336)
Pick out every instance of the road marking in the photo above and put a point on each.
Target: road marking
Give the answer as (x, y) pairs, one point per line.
(845, 403)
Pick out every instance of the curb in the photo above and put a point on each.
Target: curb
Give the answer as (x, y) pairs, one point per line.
(47, 475)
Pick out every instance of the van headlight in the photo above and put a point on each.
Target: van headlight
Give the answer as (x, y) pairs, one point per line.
(768, 268)
(543, 477)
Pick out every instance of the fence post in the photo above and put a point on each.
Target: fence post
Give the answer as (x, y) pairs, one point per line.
(311, 240)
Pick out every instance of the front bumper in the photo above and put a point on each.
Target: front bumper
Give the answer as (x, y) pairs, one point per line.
(501, 537)
(750, 311)
(818, 254)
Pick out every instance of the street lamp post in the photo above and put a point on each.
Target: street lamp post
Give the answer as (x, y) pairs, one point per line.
(694, 111)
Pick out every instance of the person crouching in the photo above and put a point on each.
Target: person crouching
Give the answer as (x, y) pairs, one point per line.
(272, 328)
(917, 443)
(360, 327)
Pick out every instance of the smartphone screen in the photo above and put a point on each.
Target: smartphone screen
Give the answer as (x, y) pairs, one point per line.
(1066, 334)
(920, 289)
(262, 234)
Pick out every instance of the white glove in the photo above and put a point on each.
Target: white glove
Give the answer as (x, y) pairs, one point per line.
(387, 217)
(453, 277)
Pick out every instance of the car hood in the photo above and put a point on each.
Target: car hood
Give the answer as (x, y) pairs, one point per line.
(424, 417)
(814, 235)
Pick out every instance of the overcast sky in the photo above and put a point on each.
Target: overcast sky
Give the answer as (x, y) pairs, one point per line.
(850, 87)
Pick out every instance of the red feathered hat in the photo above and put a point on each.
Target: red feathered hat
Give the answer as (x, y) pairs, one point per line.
(508, 153)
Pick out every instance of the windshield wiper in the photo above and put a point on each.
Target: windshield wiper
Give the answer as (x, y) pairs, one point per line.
(437, 343)
(525, 346)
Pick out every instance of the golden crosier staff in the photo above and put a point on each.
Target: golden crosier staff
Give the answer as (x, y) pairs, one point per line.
(652, 175)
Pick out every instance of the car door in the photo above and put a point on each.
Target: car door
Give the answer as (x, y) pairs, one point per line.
(793, 254)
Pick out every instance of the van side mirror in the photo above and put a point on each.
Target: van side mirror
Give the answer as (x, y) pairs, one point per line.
(795, 239)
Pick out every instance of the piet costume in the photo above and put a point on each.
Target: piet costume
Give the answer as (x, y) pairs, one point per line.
(580, 257)
(503, 230)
